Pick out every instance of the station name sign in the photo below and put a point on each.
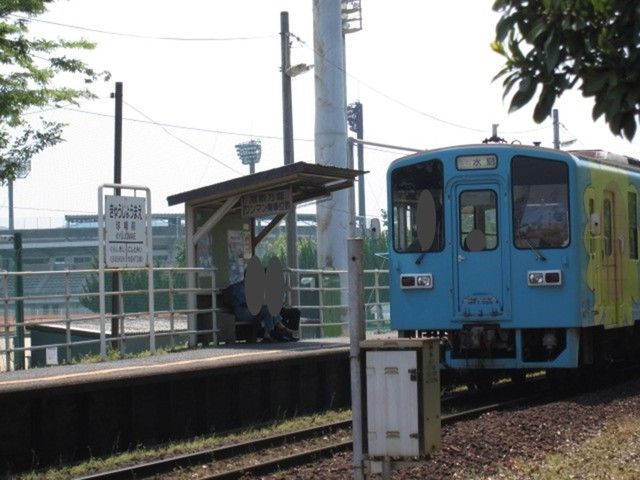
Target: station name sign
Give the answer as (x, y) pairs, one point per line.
(266, 203)
(125, 231)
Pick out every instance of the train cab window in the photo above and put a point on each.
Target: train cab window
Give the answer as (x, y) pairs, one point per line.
(540, 195)
(478, 214)
(407, 185)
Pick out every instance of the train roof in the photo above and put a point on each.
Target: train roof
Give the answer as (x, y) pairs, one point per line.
(597, 156)
(608, 158)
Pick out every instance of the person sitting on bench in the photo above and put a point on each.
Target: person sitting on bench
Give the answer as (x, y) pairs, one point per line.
(274, 329)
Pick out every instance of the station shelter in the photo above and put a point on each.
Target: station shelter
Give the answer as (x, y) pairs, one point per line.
(220, 219)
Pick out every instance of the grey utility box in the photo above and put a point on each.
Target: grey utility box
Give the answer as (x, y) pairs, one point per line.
(402, 397)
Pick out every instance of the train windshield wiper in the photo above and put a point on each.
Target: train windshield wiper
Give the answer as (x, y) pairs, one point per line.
(537, 252)
(420, 258)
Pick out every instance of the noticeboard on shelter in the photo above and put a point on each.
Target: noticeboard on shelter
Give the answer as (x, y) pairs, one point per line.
(125, 231)
(266, 203)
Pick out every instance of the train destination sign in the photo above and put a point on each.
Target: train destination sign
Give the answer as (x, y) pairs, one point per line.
(126, 232)
(476, 162)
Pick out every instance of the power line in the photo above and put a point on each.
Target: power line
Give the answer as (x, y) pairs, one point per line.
(50, 209)
(387, 96)
(184, 141)
(403, 104)
(183, 127)
(147, 37)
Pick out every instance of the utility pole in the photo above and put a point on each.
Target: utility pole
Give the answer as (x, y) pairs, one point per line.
(287, 128)
(333, 217)
(556, 129)
(117, 179)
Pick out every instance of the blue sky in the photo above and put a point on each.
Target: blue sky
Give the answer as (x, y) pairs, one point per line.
(422, 70)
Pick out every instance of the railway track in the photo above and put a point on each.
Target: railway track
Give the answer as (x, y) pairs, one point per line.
(275, 451)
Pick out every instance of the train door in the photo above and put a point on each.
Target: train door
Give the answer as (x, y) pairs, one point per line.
(610, 258)
(479, 272)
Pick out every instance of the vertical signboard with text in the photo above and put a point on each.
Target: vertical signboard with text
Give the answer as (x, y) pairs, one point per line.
(125, 232)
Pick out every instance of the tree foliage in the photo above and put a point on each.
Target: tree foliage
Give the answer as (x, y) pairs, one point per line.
(28, 80)
(554, 45)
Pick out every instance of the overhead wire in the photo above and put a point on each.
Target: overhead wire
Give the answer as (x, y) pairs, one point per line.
(146, 37)
(184, 142)
(184, 127)
(404, 104)
(385, 95)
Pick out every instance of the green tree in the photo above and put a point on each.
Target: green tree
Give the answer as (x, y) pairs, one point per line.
(30, 68)
(553, 45)
(137, 281)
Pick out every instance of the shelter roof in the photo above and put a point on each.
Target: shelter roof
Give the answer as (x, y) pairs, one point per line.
(308, 181)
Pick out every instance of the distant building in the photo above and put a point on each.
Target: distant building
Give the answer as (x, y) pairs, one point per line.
(75, 247)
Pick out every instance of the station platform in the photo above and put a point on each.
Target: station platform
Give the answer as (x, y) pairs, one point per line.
(72, 412)
(173, 362)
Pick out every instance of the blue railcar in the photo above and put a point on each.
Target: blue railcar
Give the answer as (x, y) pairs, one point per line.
(521, 257)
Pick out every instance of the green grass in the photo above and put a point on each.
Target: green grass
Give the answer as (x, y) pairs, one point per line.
(142, 453)
(114, 354)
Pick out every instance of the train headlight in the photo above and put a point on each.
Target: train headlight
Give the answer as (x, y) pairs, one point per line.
(545, 278)
(415, 281)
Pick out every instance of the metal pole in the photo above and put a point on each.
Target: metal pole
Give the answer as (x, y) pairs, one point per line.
(556, 130)
(101, 282)
(356, 335)
(10, 186)
(19, 344)
(152, 316)
(117, 179)
(287, 127)
(362, 211)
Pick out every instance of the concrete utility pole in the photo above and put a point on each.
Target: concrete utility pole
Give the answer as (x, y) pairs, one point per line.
(330, 129)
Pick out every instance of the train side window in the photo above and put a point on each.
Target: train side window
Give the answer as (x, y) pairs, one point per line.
(478, 211)
(633, 225)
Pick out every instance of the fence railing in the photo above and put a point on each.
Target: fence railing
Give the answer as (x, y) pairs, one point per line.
(69, 328)
(58, 319)
(323, 301)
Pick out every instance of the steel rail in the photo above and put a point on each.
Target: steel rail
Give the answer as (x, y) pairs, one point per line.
(159, 467)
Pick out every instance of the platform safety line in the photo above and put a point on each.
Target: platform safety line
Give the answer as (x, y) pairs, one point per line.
(94, 373)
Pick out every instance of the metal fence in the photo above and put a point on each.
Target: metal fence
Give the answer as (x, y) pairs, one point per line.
(69, 329)
(322, 300)
(58, 319)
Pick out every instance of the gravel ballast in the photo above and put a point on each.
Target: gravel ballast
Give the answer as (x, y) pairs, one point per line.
(494, 444)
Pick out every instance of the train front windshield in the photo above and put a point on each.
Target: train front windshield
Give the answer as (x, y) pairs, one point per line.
(407, 184)
(540, 203)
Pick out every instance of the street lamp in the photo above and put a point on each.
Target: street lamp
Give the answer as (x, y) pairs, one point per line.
(249, 153)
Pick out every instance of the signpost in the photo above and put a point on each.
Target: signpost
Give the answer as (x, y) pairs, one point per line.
(125, 232)
(125, 241)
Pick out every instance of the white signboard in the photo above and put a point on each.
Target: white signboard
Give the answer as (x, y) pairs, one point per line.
(266, 203)
(126, 232)
(52, 355)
